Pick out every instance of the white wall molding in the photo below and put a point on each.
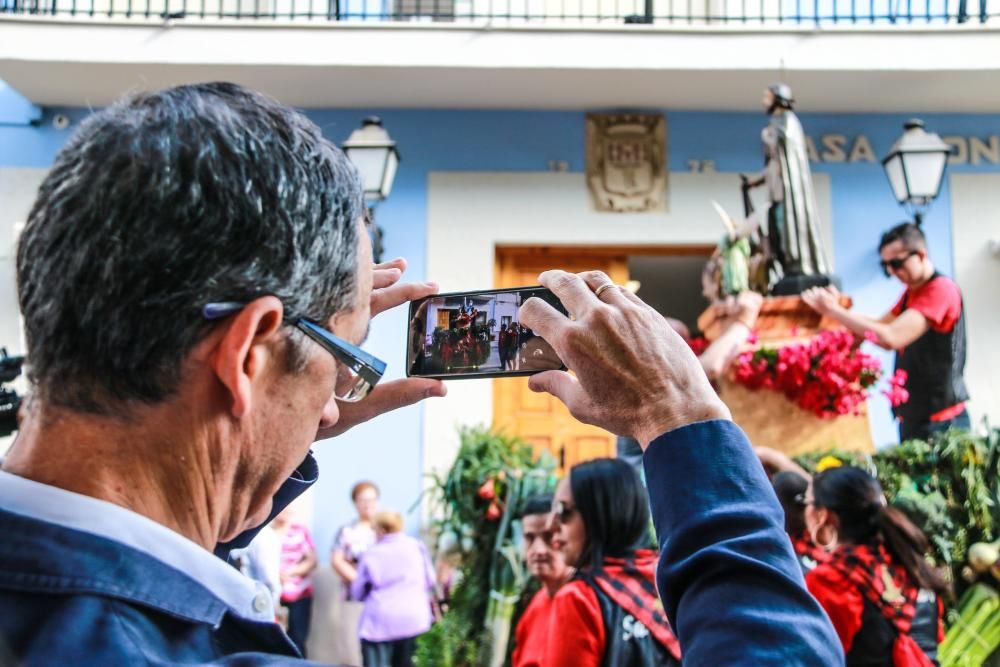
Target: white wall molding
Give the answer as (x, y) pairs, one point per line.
(92, 61)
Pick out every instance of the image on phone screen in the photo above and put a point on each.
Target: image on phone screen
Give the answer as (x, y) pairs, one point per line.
(477, 334)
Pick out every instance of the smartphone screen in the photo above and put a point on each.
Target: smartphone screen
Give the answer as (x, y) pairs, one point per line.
(476, 335)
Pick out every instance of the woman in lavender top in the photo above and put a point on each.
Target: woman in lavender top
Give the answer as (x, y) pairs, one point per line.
(395, 580)
(350, 544)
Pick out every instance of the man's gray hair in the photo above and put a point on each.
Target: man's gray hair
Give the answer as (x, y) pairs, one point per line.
(160, 204)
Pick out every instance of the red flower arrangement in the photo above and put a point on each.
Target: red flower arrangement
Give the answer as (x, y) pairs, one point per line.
(829, 376)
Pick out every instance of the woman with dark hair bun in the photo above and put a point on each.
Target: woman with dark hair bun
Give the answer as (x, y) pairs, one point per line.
(790, 487)
(878, 588)
(609, 613)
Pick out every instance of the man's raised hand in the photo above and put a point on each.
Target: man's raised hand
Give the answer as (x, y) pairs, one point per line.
(388, 292)
(634, 375)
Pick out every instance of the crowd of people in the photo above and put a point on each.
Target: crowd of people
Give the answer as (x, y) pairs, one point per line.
(387, 584)
(863, 561)
(174, 410)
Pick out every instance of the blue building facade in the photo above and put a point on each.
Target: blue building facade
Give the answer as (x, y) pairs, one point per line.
(848, 149)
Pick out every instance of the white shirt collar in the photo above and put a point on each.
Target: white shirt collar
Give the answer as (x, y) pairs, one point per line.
(242, 595)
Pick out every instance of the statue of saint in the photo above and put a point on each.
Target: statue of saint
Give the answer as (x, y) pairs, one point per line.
(792, 218)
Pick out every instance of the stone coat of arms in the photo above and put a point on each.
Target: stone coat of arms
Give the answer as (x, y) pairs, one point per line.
(626, 161)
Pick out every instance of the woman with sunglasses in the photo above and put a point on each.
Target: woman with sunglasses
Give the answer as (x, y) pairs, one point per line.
(878, 588)
(790, 482)
(609, 613)
(926, 328)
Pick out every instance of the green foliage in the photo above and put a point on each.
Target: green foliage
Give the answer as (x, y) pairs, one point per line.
(490, 469)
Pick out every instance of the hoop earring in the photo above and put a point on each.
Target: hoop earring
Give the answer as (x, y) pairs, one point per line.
(828, 546)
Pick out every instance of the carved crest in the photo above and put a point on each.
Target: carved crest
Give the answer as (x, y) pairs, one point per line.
(626, 161)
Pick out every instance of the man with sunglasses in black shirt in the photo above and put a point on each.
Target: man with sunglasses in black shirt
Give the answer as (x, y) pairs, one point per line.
(926, 328)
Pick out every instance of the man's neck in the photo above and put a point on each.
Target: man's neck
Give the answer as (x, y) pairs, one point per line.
(926, 275)
(167, 478)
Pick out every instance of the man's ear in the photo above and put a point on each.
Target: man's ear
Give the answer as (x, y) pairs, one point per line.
(251, 341)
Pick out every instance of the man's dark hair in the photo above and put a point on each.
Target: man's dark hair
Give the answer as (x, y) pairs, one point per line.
(537, 504)
(909, 233)
(612, 502)
(164, 202)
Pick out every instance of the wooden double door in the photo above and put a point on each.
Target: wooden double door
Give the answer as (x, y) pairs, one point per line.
(541, 419)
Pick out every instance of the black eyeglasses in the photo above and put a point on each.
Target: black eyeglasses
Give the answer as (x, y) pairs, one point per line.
(367, 369)
(562, 511)
(896, 263)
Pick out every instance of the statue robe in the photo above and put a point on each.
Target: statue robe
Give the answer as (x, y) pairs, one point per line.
(793, 220)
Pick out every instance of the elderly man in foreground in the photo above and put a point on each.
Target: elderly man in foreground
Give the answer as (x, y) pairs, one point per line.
(195, 280)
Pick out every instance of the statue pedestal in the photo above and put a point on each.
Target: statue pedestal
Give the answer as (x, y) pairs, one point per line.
(781, 318)
(767, 417)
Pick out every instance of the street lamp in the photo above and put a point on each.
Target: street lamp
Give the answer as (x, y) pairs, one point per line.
(376, 158)
(915, 167)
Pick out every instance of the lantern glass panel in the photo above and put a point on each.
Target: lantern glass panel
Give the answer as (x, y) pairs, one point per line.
(371, 165)
(897, 179)
(391, 164)
(924, 172)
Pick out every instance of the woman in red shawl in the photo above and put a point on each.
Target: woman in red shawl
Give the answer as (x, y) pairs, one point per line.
(609, 614)
(879, 590)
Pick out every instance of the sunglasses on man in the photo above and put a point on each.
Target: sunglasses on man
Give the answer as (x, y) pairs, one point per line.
(896, 263)
(367, 369)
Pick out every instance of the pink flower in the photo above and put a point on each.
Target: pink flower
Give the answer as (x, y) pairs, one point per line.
(871, 336)
(897, 393)
(828, 375)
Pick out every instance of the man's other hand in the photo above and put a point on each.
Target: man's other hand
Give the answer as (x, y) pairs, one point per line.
(388, 292)
(632, 374)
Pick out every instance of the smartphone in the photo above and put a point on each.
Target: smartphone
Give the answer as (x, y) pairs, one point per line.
(477, 335)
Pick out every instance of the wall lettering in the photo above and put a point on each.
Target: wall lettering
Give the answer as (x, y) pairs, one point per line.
(980, 151)
(839, 148)
(833, 147)
(862, 150)
(974, 150)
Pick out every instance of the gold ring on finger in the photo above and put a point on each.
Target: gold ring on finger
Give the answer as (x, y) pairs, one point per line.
(603, 288)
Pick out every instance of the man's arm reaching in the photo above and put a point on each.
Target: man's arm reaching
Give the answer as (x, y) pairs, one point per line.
(727, 575)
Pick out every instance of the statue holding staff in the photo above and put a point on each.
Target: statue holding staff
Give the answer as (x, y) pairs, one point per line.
(792, 218)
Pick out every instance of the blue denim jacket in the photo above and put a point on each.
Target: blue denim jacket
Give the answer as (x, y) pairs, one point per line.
(727, 575)
(69, 597)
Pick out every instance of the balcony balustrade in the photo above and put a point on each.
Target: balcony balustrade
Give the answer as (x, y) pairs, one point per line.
(505, 13)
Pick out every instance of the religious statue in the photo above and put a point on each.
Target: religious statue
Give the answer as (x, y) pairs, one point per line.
(799, 261)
